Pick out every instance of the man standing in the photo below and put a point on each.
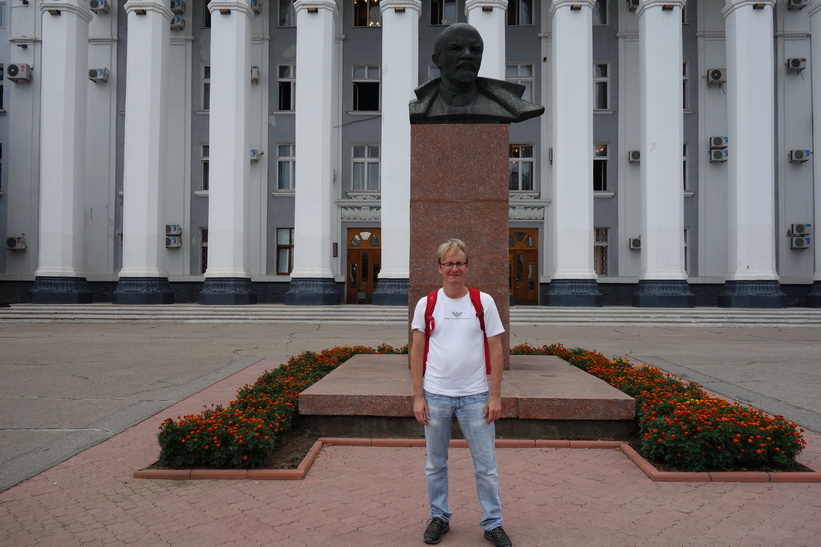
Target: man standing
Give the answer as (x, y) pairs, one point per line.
(450, 378)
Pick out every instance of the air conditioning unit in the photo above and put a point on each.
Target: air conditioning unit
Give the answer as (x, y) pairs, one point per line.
(254, 74)
(634, 156)
(177, 7)
(799, 243)
(173, 242)
(796, 4)
(20, 73)
(98, 6)
(635, 243)
(177, 23)
(632, 5)
(98, 74)
(16, 243)
(173, 229)
(719, 142)
(796, 64)
(256, 154)
(800, 230)
(799, 155)
(256, 6)
(719, 156)
(716, 76)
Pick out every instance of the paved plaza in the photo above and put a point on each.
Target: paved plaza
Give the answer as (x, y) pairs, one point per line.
(80, 405)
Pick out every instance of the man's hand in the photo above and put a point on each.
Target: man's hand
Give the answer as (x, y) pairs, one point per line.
(493, 408)
(420, 410)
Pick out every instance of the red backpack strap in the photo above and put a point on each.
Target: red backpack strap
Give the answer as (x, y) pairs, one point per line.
(429, 325)
(476, 299)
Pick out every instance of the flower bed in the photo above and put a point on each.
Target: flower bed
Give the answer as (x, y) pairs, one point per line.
(679, 423)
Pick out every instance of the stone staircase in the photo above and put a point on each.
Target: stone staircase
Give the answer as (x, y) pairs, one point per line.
(398, 315)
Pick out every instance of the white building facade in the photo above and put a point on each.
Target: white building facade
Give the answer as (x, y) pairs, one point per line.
(244, 151)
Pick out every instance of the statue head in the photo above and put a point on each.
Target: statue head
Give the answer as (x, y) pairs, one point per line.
(458, 54)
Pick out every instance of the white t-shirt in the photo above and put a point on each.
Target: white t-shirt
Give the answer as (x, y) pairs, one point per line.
(456, 352)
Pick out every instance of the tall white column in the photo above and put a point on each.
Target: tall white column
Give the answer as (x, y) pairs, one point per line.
(400, 61)
(312, 279)
(814, 298)
(143, 277)
(488, 17)
(663, 279)
(60, 276)
(570, 238)
(752, 280)
(227, 278)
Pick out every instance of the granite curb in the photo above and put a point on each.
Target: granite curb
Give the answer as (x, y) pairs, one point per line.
(648, 468)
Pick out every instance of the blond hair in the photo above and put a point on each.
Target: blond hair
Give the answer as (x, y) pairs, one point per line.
(452, 245)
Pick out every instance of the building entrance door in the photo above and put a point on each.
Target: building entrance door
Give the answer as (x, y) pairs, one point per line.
(523, 248)
(364, 261)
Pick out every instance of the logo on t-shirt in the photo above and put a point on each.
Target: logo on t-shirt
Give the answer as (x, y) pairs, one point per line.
(456, 314)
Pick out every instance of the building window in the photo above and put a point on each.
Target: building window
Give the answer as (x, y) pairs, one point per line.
(206, 87)
(2, 78)
(433, 72)
(521, 74)
(287, 16)
(206, 14)
(286, 81)
(366, 13)
(205, 170)
(684, 167)
(685, 85)
(600, 158)
(366, 88)
(600, 248)
(203, 250)
(365, 168)
(521, 166)
(600, 12)
(443, 12)
(2, 14)
(1, 168)
(520, 12)
(601, 86)
(686, 250)
(285, 250)
(286, 166)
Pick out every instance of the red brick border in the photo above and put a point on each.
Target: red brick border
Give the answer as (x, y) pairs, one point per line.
(302, 470)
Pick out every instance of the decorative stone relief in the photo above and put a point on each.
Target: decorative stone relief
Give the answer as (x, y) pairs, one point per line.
(361, 213)
(519, 212)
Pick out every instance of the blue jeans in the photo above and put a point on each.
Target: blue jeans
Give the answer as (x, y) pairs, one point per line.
(481, 439)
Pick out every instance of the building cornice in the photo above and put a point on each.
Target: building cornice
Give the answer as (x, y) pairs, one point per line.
(388, 5)
(150, 5)
(329, 5)
(240, 6)
(558, 4)
(645, 5)
(733, 5)
(71, 6)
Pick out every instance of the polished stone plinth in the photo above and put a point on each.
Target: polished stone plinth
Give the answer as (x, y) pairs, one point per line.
(542, 397)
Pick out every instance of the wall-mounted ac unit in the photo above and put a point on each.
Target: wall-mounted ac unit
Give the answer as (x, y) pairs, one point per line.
(19, 73)
(716, 76)
(99, 6)
(799, 155)
(719, 156)
(16, 243)
(796, 64)
(634, 156)
(177, 23)
(256, 6)
(796, 4)
(254, 74)
(632, 5)
(98, 74)
(800, 230)
(256, 154)
(173, 229)
(800, 243)
(178, 7)
(173, 242)
(634, 243)
(719, 142)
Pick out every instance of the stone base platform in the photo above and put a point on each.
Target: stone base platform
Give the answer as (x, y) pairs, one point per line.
(542, 397)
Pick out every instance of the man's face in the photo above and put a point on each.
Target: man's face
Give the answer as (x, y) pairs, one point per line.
(460, 57)
(453, 274)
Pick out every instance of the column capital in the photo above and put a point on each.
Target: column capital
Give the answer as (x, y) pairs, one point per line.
(388, 5)
(329, 5)
(241, 6)
(71, 6)
(149, 5)
(471, 4)
(556, 5)
(814, 7)
(645, 5)
(732, 5)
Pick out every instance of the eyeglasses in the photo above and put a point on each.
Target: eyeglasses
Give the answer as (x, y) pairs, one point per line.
(459, 265)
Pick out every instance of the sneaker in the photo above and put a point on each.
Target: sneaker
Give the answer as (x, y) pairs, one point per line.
(498, 537)
(435, 530)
